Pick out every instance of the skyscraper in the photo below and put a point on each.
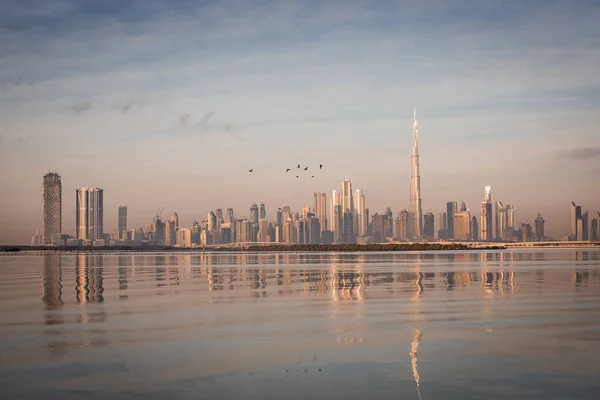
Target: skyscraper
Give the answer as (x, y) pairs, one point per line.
(320, 207)
(429, 225)
(122, 221)
(474, 229)
(486, 215)
(501, 220)
(347, 201)
(379, 228)
(175, 220)
(333, 203)
(451, 208)
(263, 231)
(360, 211)
(443, 231)
(254, 214)
(462, 225)
(51, 206)
(584, 226)
(402, 225)
(89, 218)
(575, 217)
(415, 215)
(263, 211)
(338, 223)
(349, 236)
(594, 231)
(539, 228)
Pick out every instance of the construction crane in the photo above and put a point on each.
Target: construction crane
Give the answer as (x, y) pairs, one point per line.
(159, 213)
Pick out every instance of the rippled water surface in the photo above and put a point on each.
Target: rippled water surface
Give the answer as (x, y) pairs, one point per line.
(522, 324)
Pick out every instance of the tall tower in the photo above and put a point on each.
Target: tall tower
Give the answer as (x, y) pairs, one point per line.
(51, 206)
(486, 215)
(415, 214)
(122, 221)
(254, 213)
(90, 213)
(263, 211)
(347, 201)
(175, 220)
(360, 211)
(320, 207)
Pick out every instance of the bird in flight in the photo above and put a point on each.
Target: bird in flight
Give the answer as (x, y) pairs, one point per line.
(287, 170)
(298, 165)
(320, 166)
(297, 176)
(250, 170)
(305, 168)
(312, 176)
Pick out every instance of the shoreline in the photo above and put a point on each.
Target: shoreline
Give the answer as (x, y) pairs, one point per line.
(282, 248)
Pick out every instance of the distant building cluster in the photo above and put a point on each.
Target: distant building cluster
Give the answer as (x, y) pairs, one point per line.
(341, 218)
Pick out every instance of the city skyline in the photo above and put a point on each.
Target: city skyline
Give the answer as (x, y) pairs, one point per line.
(506, 96)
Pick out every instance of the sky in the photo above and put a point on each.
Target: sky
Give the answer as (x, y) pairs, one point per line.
(169, 103)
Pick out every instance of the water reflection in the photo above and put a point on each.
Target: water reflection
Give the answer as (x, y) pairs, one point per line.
(89, 280)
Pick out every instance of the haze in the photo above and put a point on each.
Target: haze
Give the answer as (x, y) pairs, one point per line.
(168, 104)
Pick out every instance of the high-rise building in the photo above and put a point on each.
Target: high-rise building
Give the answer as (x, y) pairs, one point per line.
(594, 231)
(212, 221)
(254, 214)
(230, 216)
(539, 228)
(89, 218)
(349, 236)
(500, 226)
(263, 231)
(474, 229)
(333, 203)
(402, 225)
(510, 216)
(243, 230)
(347, 200)
(286, 213)
(443, 231)
(526, 233)
(415, 214)
(220, 219)
(122, 221)
(379, 228)
(428, 225)
(360, 211)
(486, 216)
(314, 230)
(575, 217)
(263, 211)
(451, 208)
(175, 220)
(170, 233)
(51, 206)
(338, 223)
(320, 207)
(462, 225)
(585, 226)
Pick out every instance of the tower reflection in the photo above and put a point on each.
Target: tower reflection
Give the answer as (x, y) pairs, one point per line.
(89, 280)
(52, 288)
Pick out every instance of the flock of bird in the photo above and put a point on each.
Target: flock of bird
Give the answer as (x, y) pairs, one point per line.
(298, 167)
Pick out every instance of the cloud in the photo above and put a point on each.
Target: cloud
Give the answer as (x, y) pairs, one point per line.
(81, 106)
(583, 153)
(183, 119)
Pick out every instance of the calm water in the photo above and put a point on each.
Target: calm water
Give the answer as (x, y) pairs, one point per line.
(523, 324)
